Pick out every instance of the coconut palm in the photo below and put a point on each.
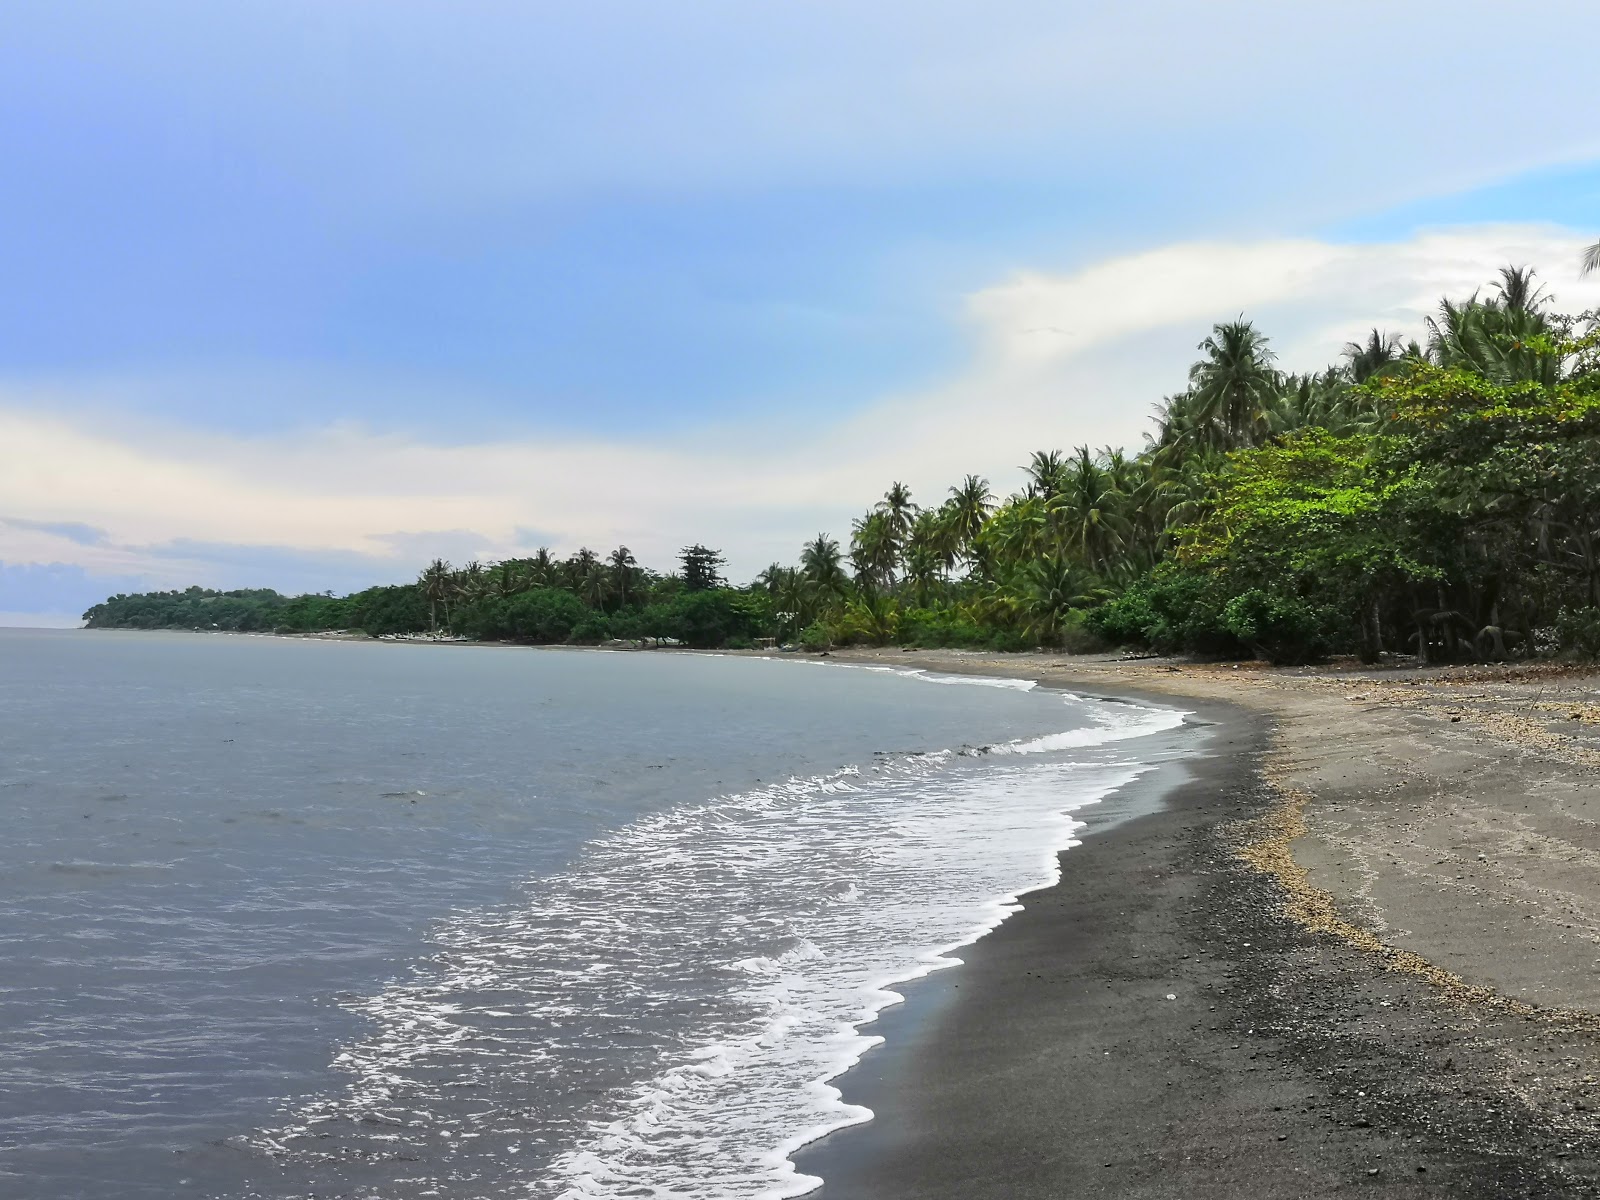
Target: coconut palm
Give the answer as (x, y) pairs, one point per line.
(471, 582)
(1018, 530)
(623, 570)
(596, 585)
(1087, 515)
(1045, 472)
(969, 507)
(1504, 344)
(542, 568)
(1051, 587)
(897, 505)
(874, 549)
(1377, 354)
(1516, 289)
(823, 566)
(1234, 386)
(507, 579)
(436, 584)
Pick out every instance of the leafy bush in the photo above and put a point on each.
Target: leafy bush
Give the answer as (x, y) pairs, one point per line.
(703, 619)
(383, 610)
(936, 627)
(1281, 629)
(1578, 632)
(591, 631)
(868, 619)
(1075, 635)
(818, 635)
(1128, 619)
(542, 615)
(1169, 612)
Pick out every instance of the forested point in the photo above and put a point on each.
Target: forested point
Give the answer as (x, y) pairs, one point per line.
(1437, 498)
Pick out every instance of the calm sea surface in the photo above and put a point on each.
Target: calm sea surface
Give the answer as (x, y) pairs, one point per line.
(285, 918)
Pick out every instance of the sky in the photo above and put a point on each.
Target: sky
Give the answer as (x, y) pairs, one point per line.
(302, 295)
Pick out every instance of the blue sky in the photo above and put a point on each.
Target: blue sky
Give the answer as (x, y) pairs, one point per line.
(373, 252)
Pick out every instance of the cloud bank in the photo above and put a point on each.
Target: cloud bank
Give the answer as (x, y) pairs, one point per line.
(92, 501)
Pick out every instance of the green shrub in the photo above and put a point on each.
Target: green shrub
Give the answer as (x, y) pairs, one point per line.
(936, 627)
(542, 615)
(591, 631)
(1578, 632)
(1281, 629)
(818, 635)
(1171, 611)
(1077, 637)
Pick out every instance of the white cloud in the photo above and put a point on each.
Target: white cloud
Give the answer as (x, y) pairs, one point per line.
(1057, 360)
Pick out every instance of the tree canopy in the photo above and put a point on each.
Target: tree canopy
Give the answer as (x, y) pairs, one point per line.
(1437, 496)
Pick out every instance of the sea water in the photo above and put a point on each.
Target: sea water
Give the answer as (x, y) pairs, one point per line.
(292, 918)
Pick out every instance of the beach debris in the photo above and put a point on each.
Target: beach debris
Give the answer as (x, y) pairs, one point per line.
(1171, 996)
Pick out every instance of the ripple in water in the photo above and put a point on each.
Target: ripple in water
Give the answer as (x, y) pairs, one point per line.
(662, 1018)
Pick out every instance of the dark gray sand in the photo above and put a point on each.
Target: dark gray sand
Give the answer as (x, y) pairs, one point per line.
(1290, 1064)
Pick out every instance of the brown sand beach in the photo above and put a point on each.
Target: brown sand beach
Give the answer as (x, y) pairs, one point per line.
(1375, 898)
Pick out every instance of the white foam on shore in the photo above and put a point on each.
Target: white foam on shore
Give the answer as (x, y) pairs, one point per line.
(918, 673)
(683, 996)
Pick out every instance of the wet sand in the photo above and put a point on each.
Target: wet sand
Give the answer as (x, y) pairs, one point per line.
(1376, 899)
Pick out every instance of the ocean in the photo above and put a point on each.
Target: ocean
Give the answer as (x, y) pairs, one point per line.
(291, 918)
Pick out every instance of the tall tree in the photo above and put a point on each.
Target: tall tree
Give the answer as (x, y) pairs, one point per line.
(1045, 472)
(702, 568)
(969, 507)
(1234, 386)
(1378, 353)
(436, 587)
(823, 566)
(898, 507)
(874, 548)
(623, 569)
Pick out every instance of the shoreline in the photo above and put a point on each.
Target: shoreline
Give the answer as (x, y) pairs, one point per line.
(1305, 1056)
(1385, 884)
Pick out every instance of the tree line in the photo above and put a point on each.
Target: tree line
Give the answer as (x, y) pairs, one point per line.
(582, 599)
(1437, 496)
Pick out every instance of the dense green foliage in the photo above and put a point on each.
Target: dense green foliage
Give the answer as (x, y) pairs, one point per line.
(582, 600)
(1438, 498)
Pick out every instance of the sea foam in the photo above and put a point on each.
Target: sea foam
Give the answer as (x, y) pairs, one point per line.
(667, 1016)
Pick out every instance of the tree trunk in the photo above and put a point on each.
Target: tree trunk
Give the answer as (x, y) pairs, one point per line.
(1371, 634)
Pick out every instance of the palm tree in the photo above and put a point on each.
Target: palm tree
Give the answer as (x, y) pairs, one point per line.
(436, 586)
(507, 579)
(822, 566)
(1234, 386)
(1086, 515)
(790, 597)
(897, 505)
(874, 549)
(542, 568)
(1044, 471)
(577, 568)
(969, 507)
(770, 580)
(595, 586)
(1051, 588)
(1516, 289)
(471, 581)
(1504, 344)
(1373, 357)
(924, 560)
(623, 567)
(1591, 259)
